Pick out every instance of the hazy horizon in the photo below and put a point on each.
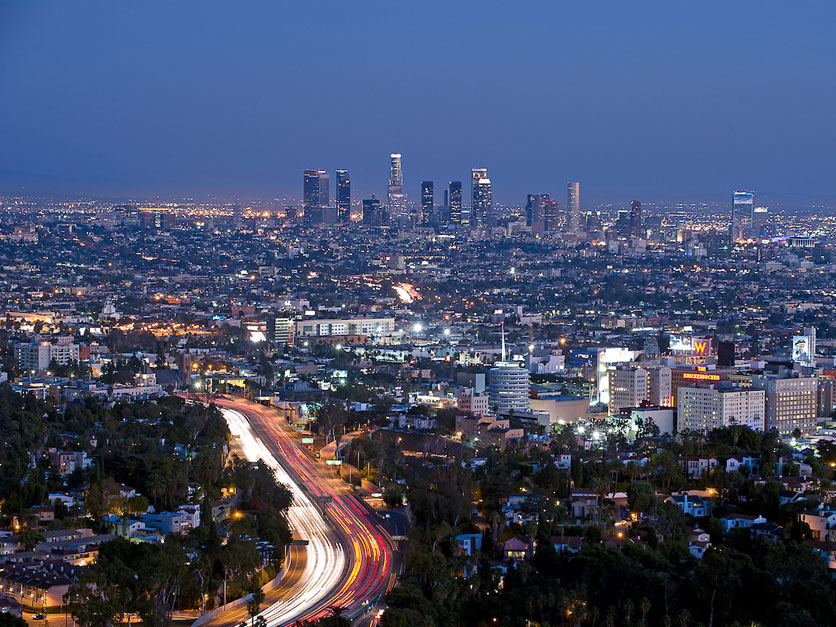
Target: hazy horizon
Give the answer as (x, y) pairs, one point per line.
(656, 99)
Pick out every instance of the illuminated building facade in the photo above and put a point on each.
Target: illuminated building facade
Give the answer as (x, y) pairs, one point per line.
(706, 407)
(343, 197)
(481, 197)
(427, 201)
(743, 206)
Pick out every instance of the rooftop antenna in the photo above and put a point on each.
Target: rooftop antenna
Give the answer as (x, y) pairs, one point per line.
(503, 340)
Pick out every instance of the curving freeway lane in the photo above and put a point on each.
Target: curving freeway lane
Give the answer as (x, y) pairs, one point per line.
(349, 557)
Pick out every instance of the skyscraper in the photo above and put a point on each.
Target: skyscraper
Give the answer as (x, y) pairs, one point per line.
(573, 206)
(343, 197)
(372, 212)
(456, 202)
(315, 195)
(396, 197)
(743, 206)
(530, 209)
(541, 213)
(427, 201)
(636, 219)
(549, 211)
(481, 197)
(760, 216)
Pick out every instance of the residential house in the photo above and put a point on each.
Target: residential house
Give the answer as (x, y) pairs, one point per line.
(584, 503)
(518, 548)
(740, 521)
(567, 544)
(468, 543)
(695, 506)
(822, 524)
(695, 467)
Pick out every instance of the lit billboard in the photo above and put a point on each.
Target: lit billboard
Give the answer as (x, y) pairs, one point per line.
(801, 349)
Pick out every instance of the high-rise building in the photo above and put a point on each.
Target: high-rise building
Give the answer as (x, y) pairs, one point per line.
(508, 388)
(549, 211)
(373, 212)
(396, 196)
(38, 356)
(709, 406)
(427, 201)
(628, 387)
(343, 197)
(481, 197)
(573, 206)
(593, 222)
(790, 402)
(760, 216)
(541, 213)
(530, 209)
(743, 206)
(315, 195)
(280, 330)
(622, 224)
(456, 202)
(636, 219)
(725, 354)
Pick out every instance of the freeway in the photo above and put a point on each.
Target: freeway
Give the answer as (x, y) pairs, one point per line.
(349, 558)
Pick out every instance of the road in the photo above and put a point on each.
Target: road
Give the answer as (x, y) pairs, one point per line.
(349, 560)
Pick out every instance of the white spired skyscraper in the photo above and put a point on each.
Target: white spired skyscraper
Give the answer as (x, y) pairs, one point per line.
(396, 197)
(573, 206)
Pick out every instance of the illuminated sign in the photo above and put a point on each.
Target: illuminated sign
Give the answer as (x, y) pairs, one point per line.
(307, 440)
(801, 350)
(690, 346)
(700, 376)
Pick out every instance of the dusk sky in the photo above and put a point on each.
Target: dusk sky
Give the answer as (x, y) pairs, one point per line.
(229, 98)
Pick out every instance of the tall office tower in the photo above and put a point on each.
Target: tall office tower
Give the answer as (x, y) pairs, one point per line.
(315, 195)
(427, 201)
(456, 202)
(636, 219)
(481, 197)
(396, 197)
(593, 221)
(541, 213)
(372, 212)
(573, 206)
(622, 224)
(549, 212)
(743, 205)
(760, 215)
(530, 209)
(343, 197)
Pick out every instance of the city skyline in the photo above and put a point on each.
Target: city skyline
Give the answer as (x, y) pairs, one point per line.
(65, 130)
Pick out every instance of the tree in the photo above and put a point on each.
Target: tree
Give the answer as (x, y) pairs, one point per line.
(641, 496)
(30, 538)
(254, 604)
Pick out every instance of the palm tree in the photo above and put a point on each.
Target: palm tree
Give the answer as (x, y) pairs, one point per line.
(156, 486)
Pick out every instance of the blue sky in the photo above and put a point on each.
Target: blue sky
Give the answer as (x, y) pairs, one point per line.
(236, 98)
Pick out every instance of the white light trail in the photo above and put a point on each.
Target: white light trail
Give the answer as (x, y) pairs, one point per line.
(325, 561)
